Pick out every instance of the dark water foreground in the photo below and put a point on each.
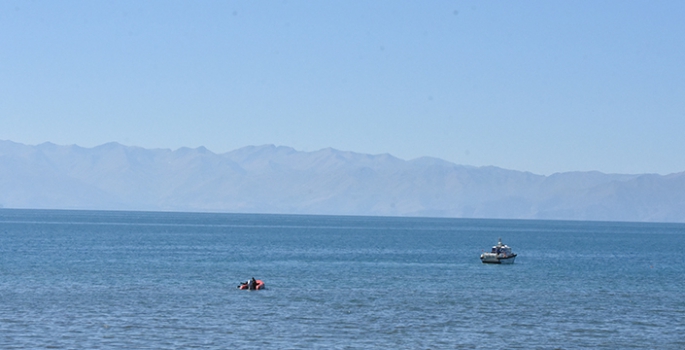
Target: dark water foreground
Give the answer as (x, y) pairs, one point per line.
(130, 280)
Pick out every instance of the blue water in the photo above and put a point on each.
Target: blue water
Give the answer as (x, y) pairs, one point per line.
(132, 280)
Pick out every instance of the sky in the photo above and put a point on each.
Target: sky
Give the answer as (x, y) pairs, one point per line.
(539, 86)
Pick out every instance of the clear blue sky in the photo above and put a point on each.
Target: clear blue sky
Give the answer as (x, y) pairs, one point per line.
(541, 86)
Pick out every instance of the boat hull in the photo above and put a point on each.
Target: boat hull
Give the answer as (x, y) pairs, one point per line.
(493, 259)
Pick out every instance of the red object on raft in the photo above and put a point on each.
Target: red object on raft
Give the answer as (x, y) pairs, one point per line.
(258, 285)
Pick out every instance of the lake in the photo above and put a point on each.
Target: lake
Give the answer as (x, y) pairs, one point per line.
(144, 280)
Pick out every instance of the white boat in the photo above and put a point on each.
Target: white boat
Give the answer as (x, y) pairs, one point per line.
(500, 254)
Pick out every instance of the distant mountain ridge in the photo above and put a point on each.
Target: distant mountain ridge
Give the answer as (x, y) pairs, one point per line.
(271, 179)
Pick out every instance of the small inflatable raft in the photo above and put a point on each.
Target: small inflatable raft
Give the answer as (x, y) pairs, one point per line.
(259, 284)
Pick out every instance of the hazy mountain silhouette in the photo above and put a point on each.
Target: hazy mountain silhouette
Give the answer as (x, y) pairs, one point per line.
(270, 179)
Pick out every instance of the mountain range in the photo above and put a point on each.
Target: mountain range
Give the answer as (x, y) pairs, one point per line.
(282, 180)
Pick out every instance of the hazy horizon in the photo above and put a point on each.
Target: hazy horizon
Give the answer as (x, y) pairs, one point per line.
(319, 150)
(282, 180)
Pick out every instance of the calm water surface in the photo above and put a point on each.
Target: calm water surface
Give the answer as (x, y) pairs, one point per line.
(131, 280)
